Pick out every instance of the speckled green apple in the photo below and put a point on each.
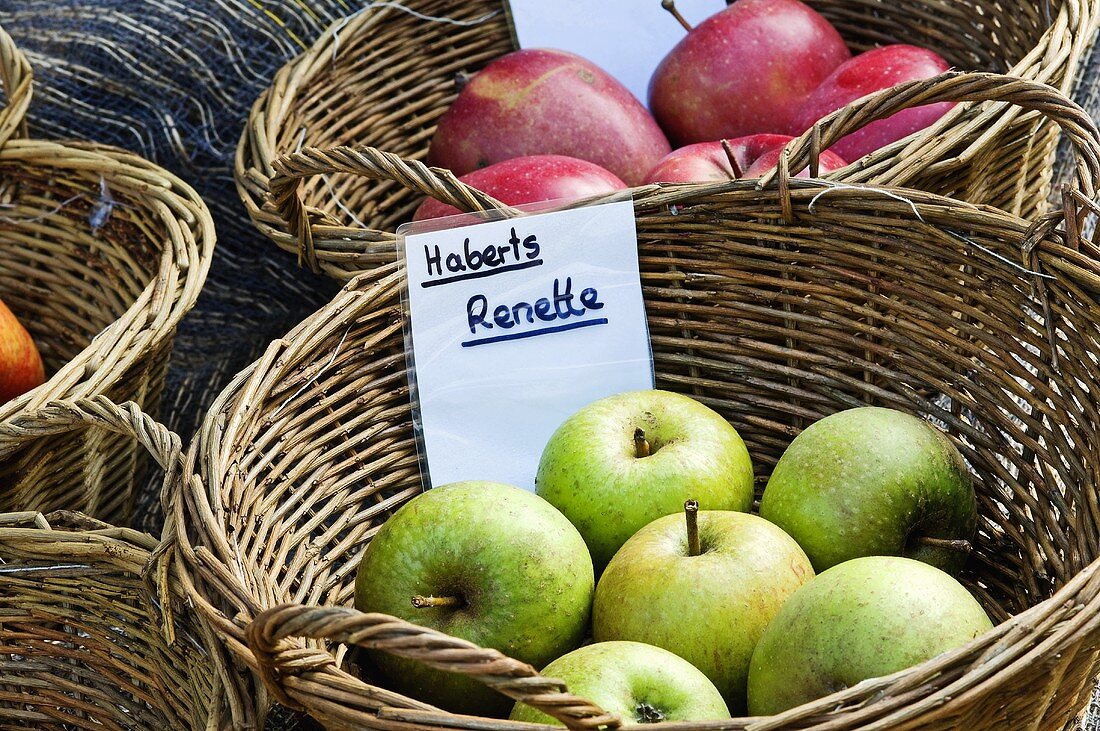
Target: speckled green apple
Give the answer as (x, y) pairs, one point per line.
(626, 460)
(486, 562)
(865, 618)
(708, 603)
(640, 683)
(873, 482)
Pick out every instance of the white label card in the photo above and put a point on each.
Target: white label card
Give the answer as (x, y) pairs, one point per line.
(516, 324)
(626, 38)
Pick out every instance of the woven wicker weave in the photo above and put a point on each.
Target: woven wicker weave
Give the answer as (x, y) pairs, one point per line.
(775, 307)
(89, 638)
(384, 77)
(101, 254)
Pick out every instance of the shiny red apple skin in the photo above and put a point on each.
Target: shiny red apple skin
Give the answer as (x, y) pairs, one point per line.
(875, 70)
(547, 102)
(529, 180)
(706, 162)
(20, 363)
(745, 70)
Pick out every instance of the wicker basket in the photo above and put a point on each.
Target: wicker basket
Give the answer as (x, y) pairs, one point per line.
(384, 77)
(776, 307)
(91, 637)
(101, 255)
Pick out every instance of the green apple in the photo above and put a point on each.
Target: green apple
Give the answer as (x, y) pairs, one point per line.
(862, 619)
(490, 563)
(626, 460)
(874, 482)
(638, 682)
(709, 603)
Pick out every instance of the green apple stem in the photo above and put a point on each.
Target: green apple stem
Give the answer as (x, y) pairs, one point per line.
(738, 173)
(951, 544)
(641, 445)
(422, 602)
(670, 6)
(691, 512)
(646, 713)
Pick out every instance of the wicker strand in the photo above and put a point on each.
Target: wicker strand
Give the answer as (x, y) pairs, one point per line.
(514, 679)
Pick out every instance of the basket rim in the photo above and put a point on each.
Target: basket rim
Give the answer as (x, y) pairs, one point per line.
(157, 311)
(17, 77)
(217, 574)
(1077, 617)
(1073, 26)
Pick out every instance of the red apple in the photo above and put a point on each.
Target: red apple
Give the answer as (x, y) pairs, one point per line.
(20, 364)
(744, 70)
(546, 102)
(705, 162)
(531, 179)
(865, 74)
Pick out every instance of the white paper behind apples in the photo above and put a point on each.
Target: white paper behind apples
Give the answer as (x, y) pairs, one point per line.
(627, 38)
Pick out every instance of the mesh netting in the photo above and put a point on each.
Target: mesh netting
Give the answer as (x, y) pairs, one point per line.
(173, 80)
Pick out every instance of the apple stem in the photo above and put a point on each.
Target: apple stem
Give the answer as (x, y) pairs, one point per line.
(648, 714)
(691, 512)
(422, 602)
(951, 544)
(738, 173)
(641, 446)
(670, 6)
(461, 80)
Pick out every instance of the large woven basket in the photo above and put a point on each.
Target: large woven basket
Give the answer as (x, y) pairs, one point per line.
(92, 636)
(101, 255)
(383, 77)
(775, 306)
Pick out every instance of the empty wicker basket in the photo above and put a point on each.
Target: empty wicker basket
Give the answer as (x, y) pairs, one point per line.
(91, 636)
(776, 307)
(383, 77)
(101, 254)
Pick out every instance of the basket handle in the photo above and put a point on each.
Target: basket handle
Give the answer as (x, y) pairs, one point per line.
(289, 170)
(954, 86)
(58, 417)
(511, 677)
(17, 76)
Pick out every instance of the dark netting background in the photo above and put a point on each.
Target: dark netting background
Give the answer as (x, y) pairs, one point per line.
(173, 80)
